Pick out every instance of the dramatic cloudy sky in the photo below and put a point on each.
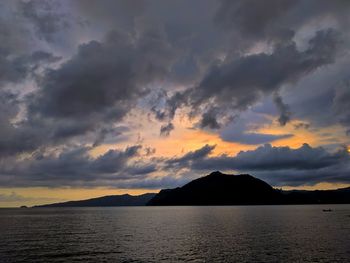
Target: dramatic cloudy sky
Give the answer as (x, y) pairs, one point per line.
(107, 97)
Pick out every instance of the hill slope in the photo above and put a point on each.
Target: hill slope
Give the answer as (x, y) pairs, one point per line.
(220, 189)
(112, 200)
(338, 196)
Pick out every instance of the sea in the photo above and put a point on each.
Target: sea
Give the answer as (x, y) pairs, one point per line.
(294, 233)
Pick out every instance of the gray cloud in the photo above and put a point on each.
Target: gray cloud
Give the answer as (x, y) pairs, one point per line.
(111, 135)
(46, 16)
(241, 82)
(190, 156)
(73, 167)
(12, 139)
(277, 20)
(252, 137)
(256, 19)
(283, 108)
(269, 158)
(302, 125)
(238, 84)
(115, 168)
(15, 69)
(86, 94)
(104, 77)
(166, 129)
(122, 12)
(237, 131)
(341, 104)
(209, 119)
(279, 165)
(19, 54)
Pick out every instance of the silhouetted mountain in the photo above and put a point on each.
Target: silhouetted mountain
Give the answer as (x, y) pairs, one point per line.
(111, 200)
(224, 189)
(220, 189)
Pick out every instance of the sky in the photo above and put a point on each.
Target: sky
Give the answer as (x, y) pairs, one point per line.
(106, 97)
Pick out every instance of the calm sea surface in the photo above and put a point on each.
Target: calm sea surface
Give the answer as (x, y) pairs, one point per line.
(176, 234)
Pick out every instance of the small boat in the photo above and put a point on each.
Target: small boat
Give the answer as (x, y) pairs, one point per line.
(327, 210)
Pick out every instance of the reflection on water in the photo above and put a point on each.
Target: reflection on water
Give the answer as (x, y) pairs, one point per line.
(176, 234)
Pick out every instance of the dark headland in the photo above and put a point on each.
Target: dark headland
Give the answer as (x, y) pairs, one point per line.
(224, 189)
(218, 189)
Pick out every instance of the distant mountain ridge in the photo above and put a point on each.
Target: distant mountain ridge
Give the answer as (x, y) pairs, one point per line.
(111, 200)
(218, 189)
(337, 196)
(224, 189)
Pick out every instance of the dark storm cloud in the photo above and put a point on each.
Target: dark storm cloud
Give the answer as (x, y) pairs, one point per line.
(238, 84)
(74, 167)
(321, 99)
(241, 82)
(191, 156)
(86, 94)
(113, 160)
(15, 69)
(111, 135)
(283, 109)
(277, 20)
(21, 136)
(333, 174)
(122, 12)
(187, 32)
(293, 166)
(141, 169)
(341, 103)
(100, 84)
(166, 129)
(171, 104)
(14, 37)
(104, 77)
(116, 168)
(18, 52)
(271, 158)
(256, 19)
(46, 17)
(302, 125)
(35, 132)
(209, 119)
(8, 135)
(11, 70)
